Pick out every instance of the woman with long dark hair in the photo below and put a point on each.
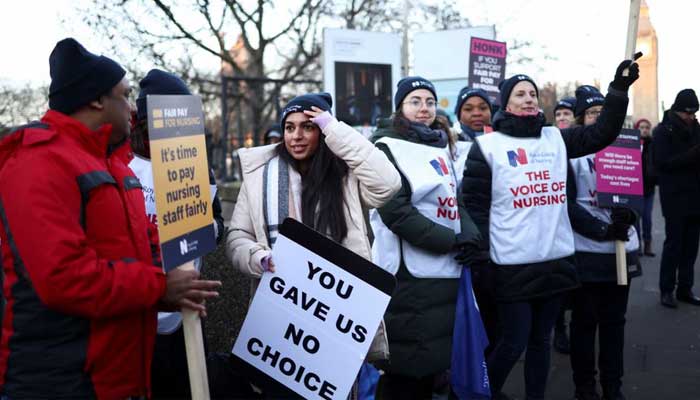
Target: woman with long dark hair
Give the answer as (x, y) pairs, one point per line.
(322, 174)
(417, 235)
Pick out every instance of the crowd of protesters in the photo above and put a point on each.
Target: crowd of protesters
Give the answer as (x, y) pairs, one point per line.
(89, 313)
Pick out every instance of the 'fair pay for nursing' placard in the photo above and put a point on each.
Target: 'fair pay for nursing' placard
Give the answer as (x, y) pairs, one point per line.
(311, 322)
(180, 178)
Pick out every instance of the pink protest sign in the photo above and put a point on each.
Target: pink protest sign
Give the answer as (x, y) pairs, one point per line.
(619, 172)
(487, 65)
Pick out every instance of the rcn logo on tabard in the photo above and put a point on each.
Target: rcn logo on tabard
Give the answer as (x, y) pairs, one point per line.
(440, 166)
(518, 157)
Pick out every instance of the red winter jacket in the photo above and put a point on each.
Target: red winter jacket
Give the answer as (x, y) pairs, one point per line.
(80, 286)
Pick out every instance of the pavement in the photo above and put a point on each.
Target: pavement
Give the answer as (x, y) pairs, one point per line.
(662, 345)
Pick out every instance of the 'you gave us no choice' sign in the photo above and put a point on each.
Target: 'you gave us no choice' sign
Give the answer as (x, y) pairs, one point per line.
(311, 322)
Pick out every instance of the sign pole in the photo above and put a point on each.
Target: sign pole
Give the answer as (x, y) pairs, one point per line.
(183, 200)
(632, 28)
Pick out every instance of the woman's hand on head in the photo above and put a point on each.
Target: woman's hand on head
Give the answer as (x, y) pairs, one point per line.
(314, 112)
(319, 117)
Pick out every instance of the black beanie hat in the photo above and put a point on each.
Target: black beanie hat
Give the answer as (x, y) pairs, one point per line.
(507, 86)
(686, 100)
(568, 103)
(78, 76)
(322, 100)
(468, 92)
(409, 84)
(160, 83)
(587, 96)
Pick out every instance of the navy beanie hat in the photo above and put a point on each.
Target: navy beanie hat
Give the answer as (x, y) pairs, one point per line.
(586, 97)
(686, 100)
(322, 100)
(507, 86)
(468, 92)
(160, 83)
(78, 76)
(568, 103)
(409, 84)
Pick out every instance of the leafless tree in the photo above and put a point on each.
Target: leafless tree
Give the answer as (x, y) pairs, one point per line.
(20, 105)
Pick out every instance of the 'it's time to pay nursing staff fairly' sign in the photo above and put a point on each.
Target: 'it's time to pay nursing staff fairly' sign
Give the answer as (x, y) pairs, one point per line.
(180, 178)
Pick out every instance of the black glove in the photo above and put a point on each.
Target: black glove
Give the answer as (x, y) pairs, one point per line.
(617, 231)
(623, 83)
(471, 253)
(623, 215)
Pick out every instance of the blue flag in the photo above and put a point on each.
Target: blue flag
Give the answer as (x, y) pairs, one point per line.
(468, 374)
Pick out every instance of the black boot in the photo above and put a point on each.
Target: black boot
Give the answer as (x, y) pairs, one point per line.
(613, 393)
(647, 249)
(667, 300)
(586, 394)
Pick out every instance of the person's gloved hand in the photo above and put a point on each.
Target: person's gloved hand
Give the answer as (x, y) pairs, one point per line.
(470, 251)
(623, 215)
(621, 82)
(617, 231)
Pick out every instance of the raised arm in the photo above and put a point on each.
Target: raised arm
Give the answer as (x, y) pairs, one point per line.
(583, 140)
(379, 179)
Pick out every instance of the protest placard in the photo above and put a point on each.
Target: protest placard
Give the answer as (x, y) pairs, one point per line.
(487, 65)
(180, 178)
(312, 321)
(619, 184)
(619, 172)
(183, 205)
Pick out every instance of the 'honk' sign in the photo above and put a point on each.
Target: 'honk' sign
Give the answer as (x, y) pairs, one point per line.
(311, 322)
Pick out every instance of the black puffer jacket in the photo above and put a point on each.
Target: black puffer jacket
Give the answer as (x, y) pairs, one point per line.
(676, 154)
(420, 316)
(527, 281)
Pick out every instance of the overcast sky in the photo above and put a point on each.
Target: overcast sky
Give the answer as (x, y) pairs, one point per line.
(586, 38)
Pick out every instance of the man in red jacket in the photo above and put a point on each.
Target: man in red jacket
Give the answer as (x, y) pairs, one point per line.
(81, 285)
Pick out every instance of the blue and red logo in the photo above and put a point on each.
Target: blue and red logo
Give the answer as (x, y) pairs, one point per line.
(517, 158)
(440, 166)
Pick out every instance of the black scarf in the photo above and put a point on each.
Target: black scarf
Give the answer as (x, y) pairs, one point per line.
(423, 134)
(518, 126)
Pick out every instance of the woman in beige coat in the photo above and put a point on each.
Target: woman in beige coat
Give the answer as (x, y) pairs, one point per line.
(332, 171)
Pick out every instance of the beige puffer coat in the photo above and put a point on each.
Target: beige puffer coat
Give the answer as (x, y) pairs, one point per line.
(371, 182)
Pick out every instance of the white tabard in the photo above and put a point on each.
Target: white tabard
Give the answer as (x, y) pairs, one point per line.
(584, 170)
(431, 174)
(528, 220)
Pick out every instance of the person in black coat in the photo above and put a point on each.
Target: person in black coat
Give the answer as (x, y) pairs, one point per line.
(650, 180)
(529, 237)
(676, 155)
(600, 304)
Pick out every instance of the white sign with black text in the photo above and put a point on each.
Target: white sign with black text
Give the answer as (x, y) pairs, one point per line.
(311, 322)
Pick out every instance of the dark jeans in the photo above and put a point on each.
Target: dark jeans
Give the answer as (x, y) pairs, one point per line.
(646, 217)
(601, 307)
(484, 292)
(402, 387)
(680, 252)
(525, 325)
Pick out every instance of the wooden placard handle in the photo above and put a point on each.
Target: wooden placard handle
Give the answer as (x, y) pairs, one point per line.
(194, 346)
(621, 262)
(632, 29)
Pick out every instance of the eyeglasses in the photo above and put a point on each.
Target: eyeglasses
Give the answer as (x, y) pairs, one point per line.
(416, 104)
(593, 113)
